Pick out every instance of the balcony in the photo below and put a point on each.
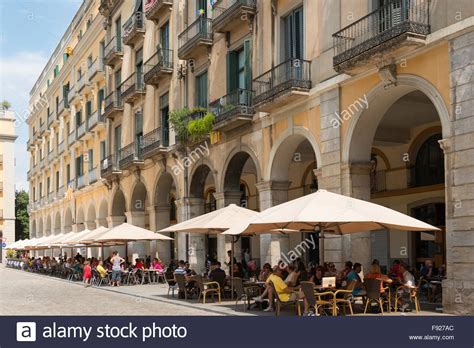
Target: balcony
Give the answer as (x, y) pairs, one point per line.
(93, 175)
(80, 181)
(113, 105)
(288, 82)
(83, 84)
(387, 33)
(71, 138)
(158, 66)
(96, 71)
(196, 39)
(131, 155)
(72, 94)
(95, 120)
(134, 29)
(232, 110)
(80, 130)
(154, 143)
(61, 147)
(154, 9)
(62, 107)
(51, 156)
(106, 7)
(133, 88)
(109, 168)
(113, 52)
(229, 14)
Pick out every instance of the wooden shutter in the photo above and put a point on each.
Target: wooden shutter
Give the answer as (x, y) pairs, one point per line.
(232, 73)
(248, 64)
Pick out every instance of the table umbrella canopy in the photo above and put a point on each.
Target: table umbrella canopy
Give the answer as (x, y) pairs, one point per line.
(59, 238)
(92, 236)
(17, 245)
(331, 213)
(46, 242)
(130, 233)
(36, 242)
(74, 237)
(215, 221)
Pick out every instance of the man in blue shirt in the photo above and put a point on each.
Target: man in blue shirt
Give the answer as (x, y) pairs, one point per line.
(354, 275)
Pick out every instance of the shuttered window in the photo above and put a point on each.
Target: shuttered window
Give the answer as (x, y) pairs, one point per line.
(294, 34)
(201, 90)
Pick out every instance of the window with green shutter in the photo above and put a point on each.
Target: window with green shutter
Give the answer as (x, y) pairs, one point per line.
(201, 90)
(294, 34)
(164, 121)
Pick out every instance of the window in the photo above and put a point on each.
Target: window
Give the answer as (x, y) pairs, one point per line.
(41, 190)
(139, 68)
(48, 184)
(201, 6)
(57, 105)
(100, 101)
(34, 194)
(201, 90)
(89, 61)
(90, 159)
(429, 165)
(165, 43)
(239, 68)
(118, 33)
(57, 181)
(164, 119)
(68, 173)
(79, 74)
(79, 166)
(103, 151)
(78, 118)
(293, 26)
(138, 132)
(117, 142)
(56, 71)
(118, 82)
(88, 109)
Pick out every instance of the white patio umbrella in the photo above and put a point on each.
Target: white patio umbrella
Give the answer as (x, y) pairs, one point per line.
(16, 244)
(327, 212)
(126, 232)
(91, 237)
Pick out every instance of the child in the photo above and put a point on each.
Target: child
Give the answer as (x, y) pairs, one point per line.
(87, 274)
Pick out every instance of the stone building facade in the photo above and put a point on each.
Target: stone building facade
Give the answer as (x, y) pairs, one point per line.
(371, 99)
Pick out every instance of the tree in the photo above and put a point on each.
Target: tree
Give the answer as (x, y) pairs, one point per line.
(22, 223)
(6, 105)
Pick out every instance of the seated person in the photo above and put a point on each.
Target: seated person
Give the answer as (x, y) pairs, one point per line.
(376, 273)
(284, 292)
(156, 265)
(354, 275)
(188, 269)
(216, 273)
(265, 272)
(302, 272)
(102, 271)
(292, 277)
(408, 280)
(347, 269)
(316, 275)
(394, 272)
(427, 270)
(238, 270)
(139, 264)
(332, 271)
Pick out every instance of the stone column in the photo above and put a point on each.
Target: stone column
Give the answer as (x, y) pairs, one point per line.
(197, 241)
(273, 246)
(160, 218)
(458, 288)
(224, 243)
(180, 237)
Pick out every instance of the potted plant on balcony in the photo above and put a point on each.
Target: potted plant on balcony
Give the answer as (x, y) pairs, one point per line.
(189, 130)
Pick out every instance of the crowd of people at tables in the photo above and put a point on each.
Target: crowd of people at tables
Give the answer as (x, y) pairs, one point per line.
(286, 278)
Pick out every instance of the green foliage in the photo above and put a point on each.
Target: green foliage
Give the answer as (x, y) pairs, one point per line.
(5, 105)
(22, 223)
(188, 129)
(200, 127)
(11, 254)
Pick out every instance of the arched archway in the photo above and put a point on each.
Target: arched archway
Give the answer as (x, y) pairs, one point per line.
(57, 223)
(91, 217)
(392, 123)
(68, 220)
(118, 208)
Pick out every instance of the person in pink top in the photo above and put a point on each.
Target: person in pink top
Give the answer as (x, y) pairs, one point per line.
(157, 265)
(87, 274)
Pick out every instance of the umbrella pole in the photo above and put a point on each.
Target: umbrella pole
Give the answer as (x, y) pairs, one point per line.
(102, 251)
(321, 244)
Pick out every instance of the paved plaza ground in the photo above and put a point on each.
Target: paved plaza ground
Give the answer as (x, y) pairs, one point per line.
(23, 293)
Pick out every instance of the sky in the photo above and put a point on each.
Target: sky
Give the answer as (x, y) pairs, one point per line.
(29, 32)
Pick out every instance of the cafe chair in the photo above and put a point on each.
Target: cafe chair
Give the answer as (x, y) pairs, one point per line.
(280, 303)
(172, 285)
(243, 294)
(413, 295)
(315, 299)
(344, 297)
(205, 288)
(374, 294)
(181, 281)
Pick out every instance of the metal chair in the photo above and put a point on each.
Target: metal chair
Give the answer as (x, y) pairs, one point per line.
(346, 298)
(207, 288)
(315, 299)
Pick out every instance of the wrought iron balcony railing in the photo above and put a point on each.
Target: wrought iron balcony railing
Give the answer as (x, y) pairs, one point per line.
(378, 30)
(154, 142)
(130, 154)
(109, 166)
(236, 103)
(113, 51)
(133, 28)
(96, 68)
(154, 8)
(293, 74)
(93, 175)
(132, 88)
(113, 104)
(226, 13)
(159, 64)
(196, 34)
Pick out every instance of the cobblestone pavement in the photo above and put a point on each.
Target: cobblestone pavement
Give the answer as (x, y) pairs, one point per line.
(23, 293)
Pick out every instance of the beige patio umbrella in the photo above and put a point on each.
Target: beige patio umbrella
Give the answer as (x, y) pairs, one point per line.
(327, 212)
(216, 221)
(17, 245)
(91, 237)
(126, 232)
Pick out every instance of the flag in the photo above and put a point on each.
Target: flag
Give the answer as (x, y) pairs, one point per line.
(69, 192)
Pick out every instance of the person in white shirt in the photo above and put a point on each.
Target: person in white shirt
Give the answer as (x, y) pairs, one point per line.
(409, 281)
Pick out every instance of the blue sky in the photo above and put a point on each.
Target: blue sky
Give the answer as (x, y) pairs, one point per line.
(29, 33)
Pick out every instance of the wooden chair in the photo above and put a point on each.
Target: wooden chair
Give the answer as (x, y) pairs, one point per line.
(344, 297)
(374, 294)
(315, 299)
(413, 290)
(207, 288)
(280, 303)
